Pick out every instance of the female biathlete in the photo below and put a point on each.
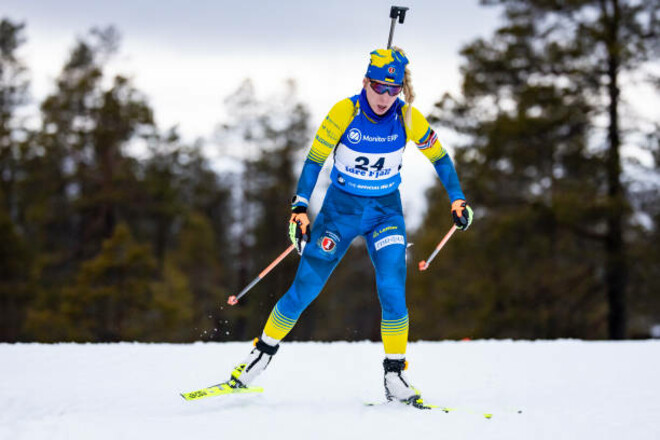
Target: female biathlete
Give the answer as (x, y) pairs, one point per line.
(366, 134)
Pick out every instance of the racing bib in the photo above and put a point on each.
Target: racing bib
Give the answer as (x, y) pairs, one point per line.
(368, 156)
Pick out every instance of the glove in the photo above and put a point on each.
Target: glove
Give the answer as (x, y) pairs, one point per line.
(462, 214)
(299, 228)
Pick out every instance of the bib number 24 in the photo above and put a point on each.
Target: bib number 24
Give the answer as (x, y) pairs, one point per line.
(362, 163)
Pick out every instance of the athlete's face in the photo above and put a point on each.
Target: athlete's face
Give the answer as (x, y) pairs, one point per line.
(380, 104)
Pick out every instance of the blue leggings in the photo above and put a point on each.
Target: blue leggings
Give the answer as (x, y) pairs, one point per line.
(342, 218)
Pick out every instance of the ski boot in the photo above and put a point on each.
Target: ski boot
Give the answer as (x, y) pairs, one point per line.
(256, 362)
(397, 386)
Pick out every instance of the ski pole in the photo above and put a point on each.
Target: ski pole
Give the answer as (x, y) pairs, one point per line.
(233, 300)
(396, 12)
(423, 265)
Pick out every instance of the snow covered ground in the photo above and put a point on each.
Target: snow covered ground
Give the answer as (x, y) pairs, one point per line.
(565, 389)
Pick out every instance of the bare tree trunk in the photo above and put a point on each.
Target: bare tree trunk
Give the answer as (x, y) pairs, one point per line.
(616, 273)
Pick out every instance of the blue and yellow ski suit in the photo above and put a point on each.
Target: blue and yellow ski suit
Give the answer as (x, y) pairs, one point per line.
(363, 199)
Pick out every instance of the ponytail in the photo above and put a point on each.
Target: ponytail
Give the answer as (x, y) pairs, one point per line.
(408, 92)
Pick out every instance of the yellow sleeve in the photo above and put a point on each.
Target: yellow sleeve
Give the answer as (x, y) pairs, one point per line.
(423, 135)
(331, 130)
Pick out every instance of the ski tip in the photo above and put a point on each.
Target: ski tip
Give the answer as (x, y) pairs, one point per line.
(419, 404)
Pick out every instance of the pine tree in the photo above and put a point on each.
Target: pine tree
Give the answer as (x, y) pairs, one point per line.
(544, 232)
(186, 215)
(118, 296)
(78, 180)
(268, 138)
(13, 95)
(15, 256)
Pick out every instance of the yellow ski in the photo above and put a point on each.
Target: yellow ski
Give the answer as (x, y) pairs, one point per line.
(219, 389)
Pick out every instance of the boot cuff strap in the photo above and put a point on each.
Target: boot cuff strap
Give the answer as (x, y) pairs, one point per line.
(268, 349)
(396, 365)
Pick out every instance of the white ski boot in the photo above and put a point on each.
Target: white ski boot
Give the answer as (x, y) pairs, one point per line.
(256, 362)
(397, 386)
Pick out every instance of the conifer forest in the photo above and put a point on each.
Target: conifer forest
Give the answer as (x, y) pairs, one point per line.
(115, 229)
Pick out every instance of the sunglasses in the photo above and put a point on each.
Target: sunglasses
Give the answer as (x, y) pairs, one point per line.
(381, 88)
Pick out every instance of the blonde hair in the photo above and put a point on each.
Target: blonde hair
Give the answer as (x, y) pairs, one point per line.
(408, 92)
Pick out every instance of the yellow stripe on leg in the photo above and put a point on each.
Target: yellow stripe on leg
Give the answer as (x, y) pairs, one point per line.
(278, 325)
(395, 335)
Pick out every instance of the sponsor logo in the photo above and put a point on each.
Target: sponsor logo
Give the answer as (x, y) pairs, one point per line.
(354, 135)
(368, 138)
(372, 188)
(389, 240)
(328, 242)
(369, 174)
(391, 70)
(385, 229)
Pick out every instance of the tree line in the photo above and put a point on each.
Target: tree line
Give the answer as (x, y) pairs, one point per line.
(102, 244)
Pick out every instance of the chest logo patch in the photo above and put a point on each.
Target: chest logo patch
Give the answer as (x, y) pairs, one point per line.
(354, 135)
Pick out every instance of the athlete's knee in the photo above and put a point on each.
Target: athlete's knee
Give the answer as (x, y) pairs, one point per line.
(292, 304)
(311, 277)
(392, 293)
(392, 279)
(394, 308)
(313, 272)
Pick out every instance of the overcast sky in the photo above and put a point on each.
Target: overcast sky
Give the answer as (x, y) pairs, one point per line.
(213, 45)
(187, 56)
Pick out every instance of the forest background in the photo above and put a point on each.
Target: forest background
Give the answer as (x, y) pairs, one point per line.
(113, 228)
